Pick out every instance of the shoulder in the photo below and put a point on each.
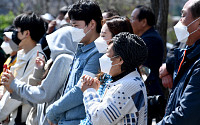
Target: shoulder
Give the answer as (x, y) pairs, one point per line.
(152, 35)
(63, 57)
(132, 82)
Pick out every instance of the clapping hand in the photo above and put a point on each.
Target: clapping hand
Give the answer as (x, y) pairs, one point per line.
(89, 82)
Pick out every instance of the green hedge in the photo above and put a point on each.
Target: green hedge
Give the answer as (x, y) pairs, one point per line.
(5, 21)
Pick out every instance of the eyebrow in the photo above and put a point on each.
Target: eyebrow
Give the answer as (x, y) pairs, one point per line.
(103, 32)
(73, 23)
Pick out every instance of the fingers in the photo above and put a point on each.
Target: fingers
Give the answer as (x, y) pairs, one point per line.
(37, 53)
(5, 68)
(43, 57)
(4, 80)
(163, 71)
(87, 80)
(167, 81)
(97, 82)
(39, 62)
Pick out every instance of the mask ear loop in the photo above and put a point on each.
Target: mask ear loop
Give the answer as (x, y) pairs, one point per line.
(87, 31)
(193, 21)
(194, 31)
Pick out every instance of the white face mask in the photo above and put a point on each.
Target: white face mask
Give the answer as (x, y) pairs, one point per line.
(106, 63)
(63, 22)
(77, 34)
(58, 23)
(6, 47)
(181, 31)
(101, 45)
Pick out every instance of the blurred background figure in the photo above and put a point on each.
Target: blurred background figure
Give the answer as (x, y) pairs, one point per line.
(47, 17)
(29, 30)
(143, 22)
(9, 48)
(60, 17)
(61, 20)
(110, 13)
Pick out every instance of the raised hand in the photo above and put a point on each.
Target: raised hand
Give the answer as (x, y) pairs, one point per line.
(6, 79)
(39, 62)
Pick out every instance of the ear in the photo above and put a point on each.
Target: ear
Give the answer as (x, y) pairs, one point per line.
(92, 24)
(199, 27)
(26, 33)
(121, 61)
(144, 22)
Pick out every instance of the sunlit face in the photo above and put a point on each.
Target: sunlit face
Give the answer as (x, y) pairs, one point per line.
(6, 39)
(135, 23)
(105, 33)
(22, 37)
(116, 61)
(186, 19)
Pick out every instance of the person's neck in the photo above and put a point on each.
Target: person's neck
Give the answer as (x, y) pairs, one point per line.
(144, 30)
(92, 38)
(13, 53)
(29, 47)
(192, 39)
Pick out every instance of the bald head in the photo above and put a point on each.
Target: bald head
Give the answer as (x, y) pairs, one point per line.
(194, 6)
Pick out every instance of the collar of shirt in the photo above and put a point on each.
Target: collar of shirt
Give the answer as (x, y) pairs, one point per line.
(115, 78)
(85, 48)
(22, 56)
(149, 31)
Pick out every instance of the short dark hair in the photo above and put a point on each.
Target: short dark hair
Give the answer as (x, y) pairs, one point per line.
(195, 9)
(63, 10)
(87, 11)
(111, 12)
(131, 48)
(119, 24)
(146, 13)
(9, 29)
(32, 22)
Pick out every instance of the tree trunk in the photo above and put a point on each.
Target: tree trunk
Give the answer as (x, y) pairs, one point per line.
(155, 7)
(160, 8)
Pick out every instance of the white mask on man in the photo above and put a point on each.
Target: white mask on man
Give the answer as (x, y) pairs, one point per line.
(106, 63)
(101, 45)
(7, 47)
(77, 34)
(181, 31)
(58, 23)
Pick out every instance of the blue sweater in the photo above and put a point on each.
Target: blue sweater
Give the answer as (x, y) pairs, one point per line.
(69, 109)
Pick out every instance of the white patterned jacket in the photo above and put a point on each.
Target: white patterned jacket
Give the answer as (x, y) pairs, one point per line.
(124, 102)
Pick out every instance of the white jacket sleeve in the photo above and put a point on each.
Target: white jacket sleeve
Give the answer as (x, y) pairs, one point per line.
(111, 109)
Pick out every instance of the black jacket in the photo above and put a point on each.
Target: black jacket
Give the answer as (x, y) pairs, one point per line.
(154, 60)
(184, 103)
